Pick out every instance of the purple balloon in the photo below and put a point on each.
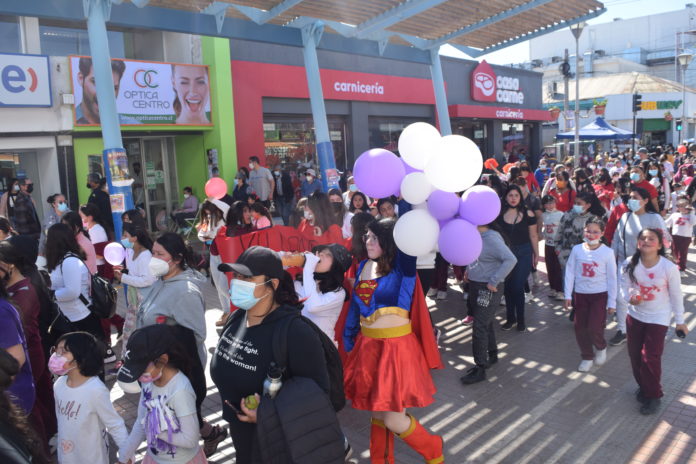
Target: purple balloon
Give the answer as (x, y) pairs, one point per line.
(442, 223)
(408, 168)
(378, 173)
(479, 205)
(460, 242)
(443, 205)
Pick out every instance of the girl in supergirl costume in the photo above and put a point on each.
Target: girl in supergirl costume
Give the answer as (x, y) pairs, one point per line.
(387, 371)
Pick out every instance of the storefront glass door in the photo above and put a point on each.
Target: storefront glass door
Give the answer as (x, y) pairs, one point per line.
(152, 165)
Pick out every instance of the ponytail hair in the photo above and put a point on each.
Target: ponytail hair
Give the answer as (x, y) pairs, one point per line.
(630, 267)
(285, 294)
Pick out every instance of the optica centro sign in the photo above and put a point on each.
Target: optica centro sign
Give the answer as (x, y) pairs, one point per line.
(24, 81)
(487, 86)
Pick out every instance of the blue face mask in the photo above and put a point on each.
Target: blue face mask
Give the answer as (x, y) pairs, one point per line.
(578, 209)
(353, 188)
(126, 243)
(62, 207)
(635, 177)
(634, 205)
(242, 294)
(653, 172)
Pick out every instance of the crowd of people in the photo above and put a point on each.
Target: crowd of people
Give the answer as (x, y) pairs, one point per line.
(304, 330)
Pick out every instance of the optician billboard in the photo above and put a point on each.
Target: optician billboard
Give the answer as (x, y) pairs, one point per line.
(147, 93)
(24, 81)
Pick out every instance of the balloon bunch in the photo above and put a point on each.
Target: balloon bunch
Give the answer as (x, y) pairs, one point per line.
(431, 169)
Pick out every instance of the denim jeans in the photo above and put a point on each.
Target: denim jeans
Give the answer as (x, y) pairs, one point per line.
(515, 281)
(284, 207)
(482, 306)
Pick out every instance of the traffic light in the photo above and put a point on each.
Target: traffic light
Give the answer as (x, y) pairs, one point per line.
(637, 102)
(678, 124)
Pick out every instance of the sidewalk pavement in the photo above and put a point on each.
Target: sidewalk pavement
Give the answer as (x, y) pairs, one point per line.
(535, 407)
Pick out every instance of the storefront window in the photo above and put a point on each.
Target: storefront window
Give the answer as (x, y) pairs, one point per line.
(9, 35)
(516, 139)
(384, 132)
(473, 130)
(63, 41)
(290, 140)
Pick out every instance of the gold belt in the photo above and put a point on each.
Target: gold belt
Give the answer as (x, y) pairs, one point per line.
(387, 332)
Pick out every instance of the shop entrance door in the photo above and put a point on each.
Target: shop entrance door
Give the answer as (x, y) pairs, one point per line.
(153, 166)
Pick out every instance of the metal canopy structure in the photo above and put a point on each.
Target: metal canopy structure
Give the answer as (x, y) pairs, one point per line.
(406, 30)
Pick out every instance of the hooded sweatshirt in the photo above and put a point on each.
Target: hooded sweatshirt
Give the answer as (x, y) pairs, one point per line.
(179, 300)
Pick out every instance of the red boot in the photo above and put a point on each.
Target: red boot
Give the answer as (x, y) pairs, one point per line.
(427, 445)
(381, 443)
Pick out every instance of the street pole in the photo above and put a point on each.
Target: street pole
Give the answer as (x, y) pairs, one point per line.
(577, 31)
(684, 59)
(566, 80)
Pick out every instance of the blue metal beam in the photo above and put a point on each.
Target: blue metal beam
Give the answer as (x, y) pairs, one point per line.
(395, 15)
(438, 79)
(475, 52)
(167, 19)
(488, 21)
(260, 16)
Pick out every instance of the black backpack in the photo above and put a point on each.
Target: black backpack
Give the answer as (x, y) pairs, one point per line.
(104, 295)
(334, 366)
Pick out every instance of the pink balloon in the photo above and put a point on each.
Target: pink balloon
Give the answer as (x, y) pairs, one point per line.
(479, 205)
(443, 205)
(378, 173)
(216, 188)
(460, 242)
(114, 253)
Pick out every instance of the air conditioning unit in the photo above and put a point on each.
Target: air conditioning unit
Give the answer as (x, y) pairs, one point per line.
(600, 53)
(556, 59)
(537, 63)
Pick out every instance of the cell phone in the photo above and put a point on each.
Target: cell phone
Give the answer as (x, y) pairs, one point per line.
(234, 408)
(680, 333)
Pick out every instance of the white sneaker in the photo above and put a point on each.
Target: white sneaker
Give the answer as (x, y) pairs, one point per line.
(585, 365)
(683, 274)
(600, 357)
(528, 297)
(431, 293)
(441, 296)
(559, 296)
(458, 282)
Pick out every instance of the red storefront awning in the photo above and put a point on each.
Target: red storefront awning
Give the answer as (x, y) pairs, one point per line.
(498, 112)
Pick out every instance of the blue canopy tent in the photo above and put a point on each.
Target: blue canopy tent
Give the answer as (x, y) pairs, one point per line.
(598, 129)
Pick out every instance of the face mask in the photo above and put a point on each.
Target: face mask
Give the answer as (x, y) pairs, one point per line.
(62, 207)
(85, 225)
(56, 364)
(186, 195)
(653, 172)
(126, 243)
(30, 188)
(277, 173)
(591, 166)
(591, 242)
(635, 177)
(561, 184)
(89, 186)
(148, 378)
(242, 294)
(578, 209)
(336, 207)
(15, 188)
(251, 166)
(309, 178)
(542, 167)
(158, 267)
(308, 215)
(353, 188)
(634, 205)
(236, 182)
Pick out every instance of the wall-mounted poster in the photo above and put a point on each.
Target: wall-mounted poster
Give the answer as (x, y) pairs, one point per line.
(150, 93)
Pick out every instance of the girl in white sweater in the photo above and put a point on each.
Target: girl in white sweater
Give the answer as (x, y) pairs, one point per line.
(651, 286)
(213, 214)
(590, 285)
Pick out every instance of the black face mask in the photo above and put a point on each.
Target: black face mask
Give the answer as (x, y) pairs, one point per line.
(337, 207)
(30, 188)
(625, 199)
(89, 186)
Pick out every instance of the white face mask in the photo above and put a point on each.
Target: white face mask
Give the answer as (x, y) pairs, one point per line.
(186, 195)
(308, 215)
(592, 242)
(158, 267)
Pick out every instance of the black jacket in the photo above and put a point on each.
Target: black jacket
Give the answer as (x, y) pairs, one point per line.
(286, 184)
(102, 201)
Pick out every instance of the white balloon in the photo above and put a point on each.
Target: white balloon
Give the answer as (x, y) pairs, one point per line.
(416, 232)
(417, 144)
(415, 188)
(456, 165)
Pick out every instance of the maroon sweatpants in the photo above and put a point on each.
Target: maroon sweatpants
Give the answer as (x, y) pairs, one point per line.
(590, 319)
(680, 249)
(553, 268)
(646, 342)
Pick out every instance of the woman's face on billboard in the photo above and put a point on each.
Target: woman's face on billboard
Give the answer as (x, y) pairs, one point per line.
(191, 85)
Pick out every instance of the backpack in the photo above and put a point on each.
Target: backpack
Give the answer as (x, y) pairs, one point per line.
(104, 295)
(334, 366)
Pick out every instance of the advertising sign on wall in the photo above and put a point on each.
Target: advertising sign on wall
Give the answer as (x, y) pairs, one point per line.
(487, 86)
(24, 80)
(148, 93)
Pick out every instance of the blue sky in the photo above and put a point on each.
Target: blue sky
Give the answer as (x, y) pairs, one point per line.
(624, 9)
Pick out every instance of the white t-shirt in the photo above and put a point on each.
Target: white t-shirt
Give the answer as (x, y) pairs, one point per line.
(591, 271)
(179, 396)
(69, 280)
(681, 224)
(97, 234)
(550, 229)
(321, 308)
(85, 414)
(660, 291)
